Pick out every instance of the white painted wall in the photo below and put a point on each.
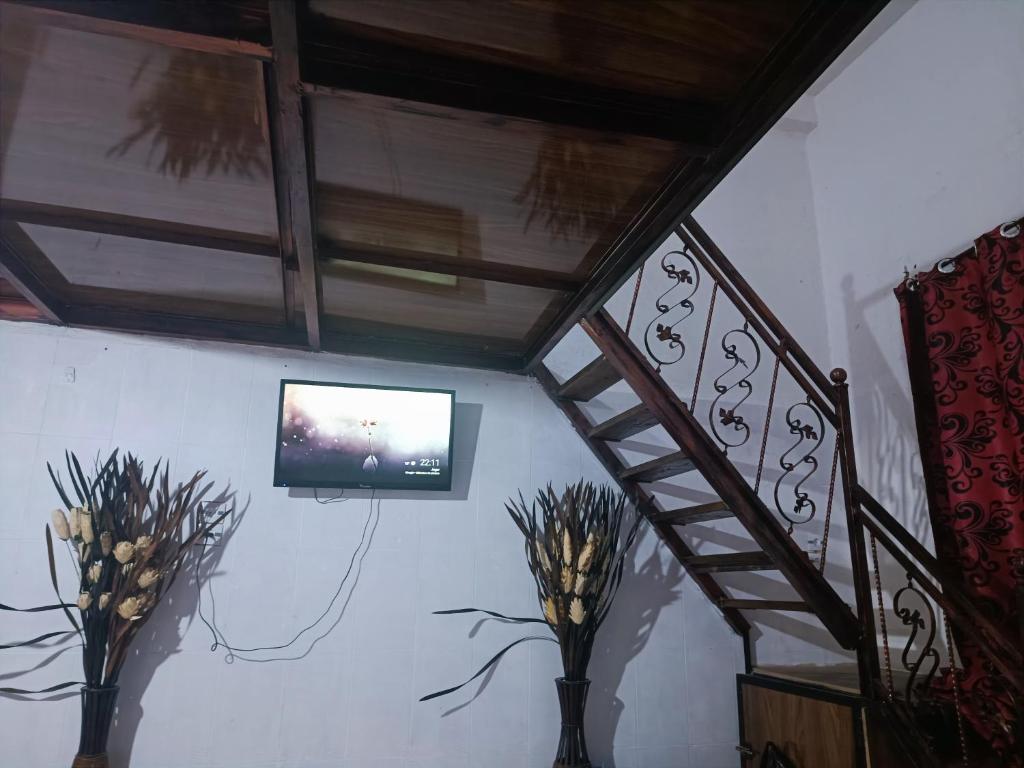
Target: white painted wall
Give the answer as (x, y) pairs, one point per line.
(664, 687)
(919, 149)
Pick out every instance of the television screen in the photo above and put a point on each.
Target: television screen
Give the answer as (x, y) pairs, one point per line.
(357, 436)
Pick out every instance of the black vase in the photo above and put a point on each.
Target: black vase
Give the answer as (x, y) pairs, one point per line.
(572, 744)
(97, 714)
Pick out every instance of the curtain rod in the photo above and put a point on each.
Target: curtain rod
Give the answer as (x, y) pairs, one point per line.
(946, 265)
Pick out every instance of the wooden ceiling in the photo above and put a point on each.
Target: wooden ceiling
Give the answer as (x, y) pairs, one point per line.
(449, 181)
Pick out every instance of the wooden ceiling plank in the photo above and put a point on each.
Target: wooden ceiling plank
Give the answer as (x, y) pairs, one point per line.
(206, 27)
(17, 273)
(62, 217)
(293, 163)
(335, 62)
(824, 30)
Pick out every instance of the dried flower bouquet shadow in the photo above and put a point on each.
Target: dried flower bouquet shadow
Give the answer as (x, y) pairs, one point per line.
(201, 117)
(162, 639)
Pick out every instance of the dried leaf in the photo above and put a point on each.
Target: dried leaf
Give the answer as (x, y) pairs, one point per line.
(581, 583)
(587, 555)
(576, 612)
(549, 612)
(60, 524)
(566, 579)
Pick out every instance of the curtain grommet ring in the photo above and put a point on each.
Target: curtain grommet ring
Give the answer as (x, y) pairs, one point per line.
(1010, 229)
(946, 266)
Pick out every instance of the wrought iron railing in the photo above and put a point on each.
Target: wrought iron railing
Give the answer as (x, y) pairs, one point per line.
(738, 335)
(813, 458)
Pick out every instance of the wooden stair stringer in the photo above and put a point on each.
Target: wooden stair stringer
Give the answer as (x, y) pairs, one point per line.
(725, 479)
(642, 500)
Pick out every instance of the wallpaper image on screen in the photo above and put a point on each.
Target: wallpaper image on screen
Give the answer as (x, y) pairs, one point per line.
(333, 435)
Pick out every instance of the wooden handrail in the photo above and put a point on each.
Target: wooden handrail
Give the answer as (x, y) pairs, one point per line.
(758, 306)
(954, 596)
(1005, 656)
(905, 539)
(780, 348)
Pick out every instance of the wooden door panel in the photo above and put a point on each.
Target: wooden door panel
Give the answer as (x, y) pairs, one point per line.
(811, 732)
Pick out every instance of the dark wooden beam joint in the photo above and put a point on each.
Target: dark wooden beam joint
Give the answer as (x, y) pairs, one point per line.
(132, 320)
(119, 225)
(25, 281)
(293, 163)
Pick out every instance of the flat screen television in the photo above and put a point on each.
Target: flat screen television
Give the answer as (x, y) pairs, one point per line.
(362, 436)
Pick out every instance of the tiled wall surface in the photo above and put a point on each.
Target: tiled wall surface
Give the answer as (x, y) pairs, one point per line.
(664, 691)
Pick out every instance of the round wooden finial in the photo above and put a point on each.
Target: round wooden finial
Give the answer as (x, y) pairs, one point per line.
(838, 375)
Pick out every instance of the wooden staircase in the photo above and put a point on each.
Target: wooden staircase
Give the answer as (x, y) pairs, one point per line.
(903, 720)
(620, 360)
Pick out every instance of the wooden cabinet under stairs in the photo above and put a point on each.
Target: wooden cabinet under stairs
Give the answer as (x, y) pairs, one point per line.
(814, 726)
(816, 717)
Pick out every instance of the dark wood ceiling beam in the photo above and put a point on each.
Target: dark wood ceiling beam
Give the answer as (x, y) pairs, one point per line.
(335, 61)
(229, 27)
(17, 273)
(823, 31)
(62, 217)
(293, 175)
(421, 262)
(133, 320)
(415, 351)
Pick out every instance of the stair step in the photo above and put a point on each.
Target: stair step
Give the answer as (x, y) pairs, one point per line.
(626, 424)
(766, 605)
(590, 382)
(701, 513)
(731, 561)
(673, 464)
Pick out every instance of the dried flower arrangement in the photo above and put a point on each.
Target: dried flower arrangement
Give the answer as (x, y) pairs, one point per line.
(575, 547)
(129, 535)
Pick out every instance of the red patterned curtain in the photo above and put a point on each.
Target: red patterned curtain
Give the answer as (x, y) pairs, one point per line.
(963, 324)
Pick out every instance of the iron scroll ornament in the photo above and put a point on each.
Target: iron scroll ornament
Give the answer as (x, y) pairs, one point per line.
(804, 420)
(734, 429)
(664, 344)
(928, 657)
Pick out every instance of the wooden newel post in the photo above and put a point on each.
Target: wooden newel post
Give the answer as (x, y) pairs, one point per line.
(867, 652)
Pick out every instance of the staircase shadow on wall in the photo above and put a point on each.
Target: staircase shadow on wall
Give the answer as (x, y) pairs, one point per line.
(885, 428)
(732, 538)
(648, 587)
